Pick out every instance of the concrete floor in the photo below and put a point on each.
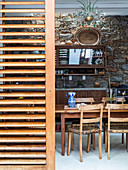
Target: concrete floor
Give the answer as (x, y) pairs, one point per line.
(91, 161)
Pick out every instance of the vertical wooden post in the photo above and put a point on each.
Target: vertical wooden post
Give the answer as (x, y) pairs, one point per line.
(108, 132)
(50, 83)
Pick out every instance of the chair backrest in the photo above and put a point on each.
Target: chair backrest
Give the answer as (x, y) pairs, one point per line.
(93, 107)
(116, 107)
(85, 100)
(106, 99)
(120, 99)
(116, 99)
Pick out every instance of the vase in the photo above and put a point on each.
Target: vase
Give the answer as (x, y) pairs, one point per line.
(71, 99)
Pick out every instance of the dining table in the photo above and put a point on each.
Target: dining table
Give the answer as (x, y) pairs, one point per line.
(73, 113)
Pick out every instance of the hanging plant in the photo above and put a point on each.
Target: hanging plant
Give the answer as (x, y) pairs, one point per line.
(89, 12)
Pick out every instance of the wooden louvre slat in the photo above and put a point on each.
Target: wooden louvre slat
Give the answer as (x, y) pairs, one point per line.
(23, 147)
(23, 154)
(22, 124)
(22, 41)
(23, 3)
(22, 161)
(17, 71)
(22, 116)
(23, 101)
(23, 94)
(21, 18)
(22, 48)
(21, 86)
(22, 79)
(20, 132)
(22, 10)
(22, 33)
(17, 64)
(27, 139)
(22, 109)
(22, 56)
(22, 26)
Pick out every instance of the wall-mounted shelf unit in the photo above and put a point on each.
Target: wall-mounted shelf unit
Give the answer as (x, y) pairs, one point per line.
(80, 60)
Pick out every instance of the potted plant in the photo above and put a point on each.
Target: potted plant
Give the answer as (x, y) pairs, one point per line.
(88, 10)
(79, 84)
(111, 98)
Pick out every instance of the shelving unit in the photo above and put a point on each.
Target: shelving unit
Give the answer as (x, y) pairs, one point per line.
(86, 66)
(79, 74)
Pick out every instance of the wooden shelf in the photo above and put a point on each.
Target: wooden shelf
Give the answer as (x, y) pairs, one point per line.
(72, 46)
(79, 66)
(65, 57)
(79, 74)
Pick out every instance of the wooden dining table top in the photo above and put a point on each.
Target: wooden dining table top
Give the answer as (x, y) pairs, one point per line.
(61, 109)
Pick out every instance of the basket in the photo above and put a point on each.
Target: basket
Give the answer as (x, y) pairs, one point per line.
(86, 36)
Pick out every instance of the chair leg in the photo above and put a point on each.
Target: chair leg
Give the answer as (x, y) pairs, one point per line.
(88, 143)
(104, 135)
(106, 141)
(94, 147)
(80, 148)
(91, 139)
(100, 145)
(127, 141)
(108, 145)
(69, 143)
(122, 137)
(72, 141)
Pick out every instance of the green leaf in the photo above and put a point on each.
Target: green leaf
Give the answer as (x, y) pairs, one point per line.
(83, 3)
(82, 8)
(94, 4)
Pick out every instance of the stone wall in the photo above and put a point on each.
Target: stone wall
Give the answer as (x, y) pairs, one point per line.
(115, 35)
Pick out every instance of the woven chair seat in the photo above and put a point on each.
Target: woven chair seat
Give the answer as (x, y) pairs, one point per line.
(85, 130)
(119, 127)
(117, 124)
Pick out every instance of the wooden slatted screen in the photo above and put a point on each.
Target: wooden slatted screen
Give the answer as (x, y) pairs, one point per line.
(27, 121)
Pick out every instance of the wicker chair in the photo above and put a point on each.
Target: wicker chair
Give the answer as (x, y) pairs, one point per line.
(116, 125)
(89, 101)
(80, 129)
(105, 100)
